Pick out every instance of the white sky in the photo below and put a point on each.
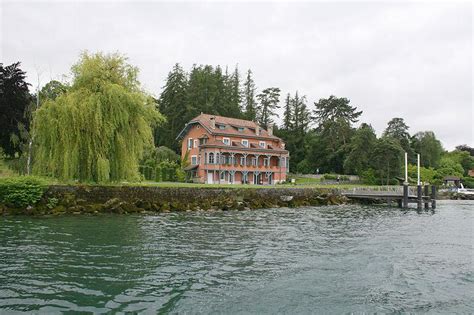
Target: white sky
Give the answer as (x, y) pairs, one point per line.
(412, 60)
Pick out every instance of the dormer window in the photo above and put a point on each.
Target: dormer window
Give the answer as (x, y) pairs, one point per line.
(245, 143)
(240, 129)
(262, 144)
(226, 141)
(222, 127)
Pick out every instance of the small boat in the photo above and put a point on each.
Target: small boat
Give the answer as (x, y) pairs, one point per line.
(465, 191)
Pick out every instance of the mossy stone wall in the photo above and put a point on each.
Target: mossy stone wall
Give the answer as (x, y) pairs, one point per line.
(132, 199)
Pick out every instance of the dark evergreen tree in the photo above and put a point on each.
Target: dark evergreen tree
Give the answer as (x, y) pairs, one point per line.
(361, 147)
(269, 99)
(429, 148)
(14, 101)
(397, 129)
(172, 104)
(287, 114)
(249, 103)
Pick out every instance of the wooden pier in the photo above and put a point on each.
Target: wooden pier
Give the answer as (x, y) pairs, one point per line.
(403, 195)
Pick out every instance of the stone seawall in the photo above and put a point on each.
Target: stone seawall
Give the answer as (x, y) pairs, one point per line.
(136, 199)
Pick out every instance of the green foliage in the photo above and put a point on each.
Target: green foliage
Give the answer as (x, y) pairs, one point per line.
(429, 148)
(304, 167)
(387, 160)
(468, 182)
(249, 103)
(335, 177)
(15, 100)
(334, 108)
(461, 157)
(397, 129)
(97, 130)
(428, 175)
(52, 202)
(153, 157)
(268, 103)
(169, 171)
(361, 148)
(368, 177)
(449, 167)
(21, 191)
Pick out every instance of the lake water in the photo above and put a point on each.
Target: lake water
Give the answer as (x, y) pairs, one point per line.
(335, 259)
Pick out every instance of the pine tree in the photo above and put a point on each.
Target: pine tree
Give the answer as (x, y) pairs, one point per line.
(172, 104)
(249, 103)
(287, 114)
(269, 99)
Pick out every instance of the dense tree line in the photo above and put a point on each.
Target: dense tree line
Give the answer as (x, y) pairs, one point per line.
(98, 127)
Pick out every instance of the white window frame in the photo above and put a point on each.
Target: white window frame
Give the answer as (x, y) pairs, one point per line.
(223, 173)
(224, 141)
(211, 154)
(264, 144)
(245, 143)
(242, 160)
(195, 143)
(254, 161)
(195, 158)
(190, 143)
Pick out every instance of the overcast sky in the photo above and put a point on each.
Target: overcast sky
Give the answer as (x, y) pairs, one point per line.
(411, 60)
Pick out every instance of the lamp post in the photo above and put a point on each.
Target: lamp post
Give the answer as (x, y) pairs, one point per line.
(405, 184)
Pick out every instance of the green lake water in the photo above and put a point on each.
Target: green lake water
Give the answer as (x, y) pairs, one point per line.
(335, 259)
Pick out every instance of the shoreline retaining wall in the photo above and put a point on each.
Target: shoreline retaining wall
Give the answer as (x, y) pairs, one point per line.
(138, 199)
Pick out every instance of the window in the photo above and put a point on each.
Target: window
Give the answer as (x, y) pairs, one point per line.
(245, 143)
(254, 161)
(266, 162)
(262, 144)
(194, 160)
(226, 141)
(190, 143)
(240, 129)
(222, 127)
(223, 175)
(195, 144)
(211, 158)
(242, 160)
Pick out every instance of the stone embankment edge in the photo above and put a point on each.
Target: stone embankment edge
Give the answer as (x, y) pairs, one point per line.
(62, 199)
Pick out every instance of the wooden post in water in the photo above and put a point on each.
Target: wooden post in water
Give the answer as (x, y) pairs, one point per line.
(405, 195)
(420, 196)
(433, 197)
(426, 195)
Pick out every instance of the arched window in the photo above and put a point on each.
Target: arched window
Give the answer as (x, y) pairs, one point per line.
(211, 158)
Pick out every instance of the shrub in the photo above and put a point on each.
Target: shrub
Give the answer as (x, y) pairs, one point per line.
(21, 191)
(335, 176)
(368, 177)
(468, 182)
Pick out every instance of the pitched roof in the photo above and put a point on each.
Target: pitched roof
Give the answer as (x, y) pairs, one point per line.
(230, 126)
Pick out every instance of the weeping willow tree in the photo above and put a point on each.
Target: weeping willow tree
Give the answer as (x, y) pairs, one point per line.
(97, 131)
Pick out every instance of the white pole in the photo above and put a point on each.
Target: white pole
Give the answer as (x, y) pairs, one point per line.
(418, 156)
(406, 168)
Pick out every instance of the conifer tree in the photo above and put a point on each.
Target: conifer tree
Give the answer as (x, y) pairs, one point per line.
(269, 99)
(287, 114)
(250, 105)
(172, 104)
(14, 102)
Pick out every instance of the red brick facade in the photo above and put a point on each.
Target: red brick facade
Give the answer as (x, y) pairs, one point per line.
(233, 151)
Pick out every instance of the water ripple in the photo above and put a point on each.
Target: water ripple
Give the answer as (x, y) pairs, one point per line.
(340, 259)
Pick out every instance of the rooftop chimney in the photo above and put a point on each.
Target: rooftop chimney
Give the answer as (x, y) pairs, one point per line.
(257, 130)
(270, 129)
(213, 122)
